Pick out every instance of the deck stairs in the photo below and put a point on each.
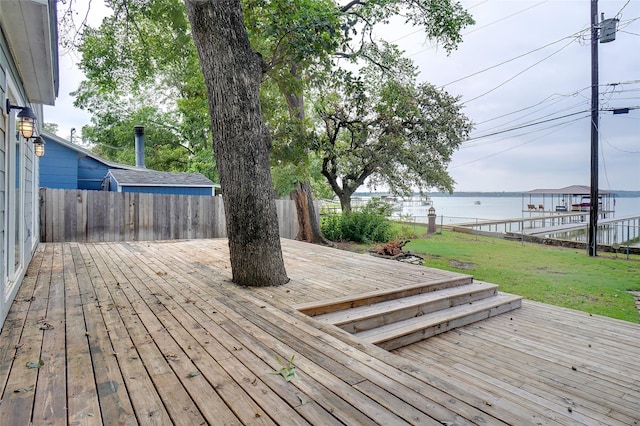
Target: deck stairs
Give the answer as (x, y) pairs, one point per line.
(394, 318)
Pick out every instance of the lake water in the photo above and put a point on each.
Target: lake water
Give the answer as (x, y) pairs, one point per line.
(452, 210)
(465, 209)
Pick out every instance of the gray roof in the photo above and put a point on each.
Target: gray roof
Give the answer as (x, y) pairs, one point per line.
(573, 190)
(146, 177)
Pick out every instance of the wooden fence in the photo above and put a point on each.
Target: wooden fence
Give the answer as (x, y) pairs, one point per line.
(102, 216)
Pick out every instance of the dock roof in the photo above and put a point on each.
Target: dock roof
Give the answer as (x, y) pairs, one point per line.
(573, 190)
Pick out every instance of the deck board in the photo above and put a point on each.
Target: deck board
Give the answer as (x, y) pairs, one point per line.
(563, 374)
(108, 382)
(50, 401)
(83, 400)
(20, 390)
(155, 333)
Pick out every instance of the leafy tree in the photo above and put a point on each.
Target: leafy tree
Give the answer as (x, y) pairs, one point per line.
(147, 45)
(51, 127)
(142, 63)
(113, 136)
(300, 41)
(233, 73)
(382, 127)
(142, 69)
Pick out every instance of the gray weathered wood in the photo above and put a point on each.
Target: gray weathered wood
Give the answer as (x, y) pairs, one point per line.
(103, 216)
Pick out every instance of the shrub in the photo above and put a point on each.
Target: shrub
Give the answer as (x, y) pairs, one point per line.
(366, 225)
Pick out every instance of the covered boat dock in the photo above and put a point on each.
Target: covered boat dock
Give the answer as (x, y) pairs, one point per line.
(575, 198)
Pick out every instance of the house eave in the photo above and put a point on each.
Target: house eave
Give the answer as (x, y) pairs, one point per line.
(30, 28)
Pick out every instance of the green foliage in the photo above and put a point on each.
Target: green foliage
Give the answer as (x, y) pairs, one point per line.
(284, 179)
(554, 275)
(368, 224)
(286, 175)
(50, 127)
(299, 41)
(380, 127)
(441, 20)
(142, 69)
(287, 370)
(204, 162)
(145, 51)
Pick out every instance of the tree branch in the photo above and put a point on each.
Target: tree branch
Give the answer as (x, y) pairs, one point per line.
(351, 4)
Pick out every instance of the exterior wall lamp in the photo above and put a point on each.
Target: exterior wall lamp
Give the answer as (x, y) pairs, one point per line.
(26, 120)
(38, 146)
(26, 126)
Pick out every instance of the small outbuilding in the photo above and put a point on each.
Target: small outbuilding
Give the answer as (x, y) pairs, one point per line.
(152, 181)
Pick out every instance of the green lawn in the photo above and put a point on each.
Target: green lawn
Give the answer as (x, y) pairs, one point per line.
(558, 276)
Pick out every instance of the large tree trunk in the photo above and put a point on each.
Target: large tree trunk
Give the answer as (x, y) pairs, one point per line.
(308, 220)
(302, 211)
(241, 141)
(345, 202)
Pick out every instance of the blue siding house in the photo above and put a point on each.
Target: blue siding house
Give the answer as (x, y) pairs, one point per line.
(69, 166)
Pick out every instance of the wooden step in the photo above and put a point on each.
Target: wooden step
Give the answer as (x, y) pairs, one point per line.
(353, 301)
(379, 314)
(402, 333)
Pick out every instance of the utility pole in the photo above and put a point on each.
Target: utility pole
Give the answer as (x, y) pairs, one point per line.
(593, 215)
(603, 32)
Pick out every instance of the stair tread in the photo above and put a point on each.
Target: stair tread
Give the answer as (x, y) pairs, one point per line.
(406, 303)
(412, 325)
(322, 307)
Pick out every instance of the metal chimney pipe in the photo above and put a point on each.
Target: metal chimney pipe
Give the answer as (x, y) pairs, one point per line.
(139, 132)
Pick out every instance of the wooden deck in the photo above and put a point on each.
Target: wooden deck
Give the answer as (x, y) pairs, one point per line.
(154, 333)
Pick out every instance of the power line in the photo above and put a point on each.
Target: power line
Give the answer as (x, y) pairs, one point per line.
(505, 62)
(478, 28)
(527, 125)
(568, 108)
(561, 97)
(530, 124)
(562, 126)
(504, 18)
(619, 149)
(573, 36)
(518, 74)
(477, 143)
(619, 14)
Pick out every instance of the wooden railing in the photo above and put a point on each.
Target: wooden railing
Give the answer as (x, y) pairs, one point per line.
(101, 216)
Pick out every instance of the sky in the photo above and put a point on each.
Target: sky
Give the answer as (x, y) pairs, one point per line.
(523, 75)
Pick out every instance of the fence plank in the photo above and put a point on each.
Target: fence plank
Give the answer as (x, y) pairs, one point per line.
(70, 216)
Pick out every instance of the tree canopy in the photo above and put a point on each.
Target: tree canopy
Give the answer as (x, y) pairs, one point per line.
(381, 127)
(141, 65)
(142, 68)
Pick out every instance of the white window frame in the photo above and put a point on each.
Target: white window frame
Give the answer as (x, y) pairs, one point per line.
(14, 270)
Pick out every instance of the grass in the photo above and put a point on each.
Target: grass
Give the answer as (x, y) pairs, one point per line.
(553, 275)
